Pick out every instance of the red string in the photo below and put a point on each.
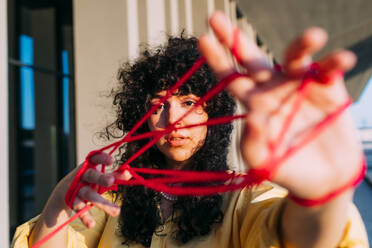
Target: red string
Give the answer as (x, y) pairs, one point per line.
(177, 182)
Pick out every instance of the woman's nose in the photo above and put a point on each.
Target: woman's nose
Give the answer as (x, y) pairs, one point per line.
(174, 114)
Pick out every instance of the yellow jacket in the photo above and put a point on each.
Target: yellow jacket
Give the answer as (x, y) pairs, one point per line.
(251, 220)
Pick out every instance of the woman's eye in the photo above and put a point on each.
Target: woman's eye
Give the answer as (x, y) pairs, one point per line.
(160, 107)
(189, 103)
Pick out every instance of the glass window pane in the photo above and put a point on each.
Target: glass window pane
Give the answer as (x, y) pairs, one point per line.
(65, 93)
(27, 83)
(362, 109)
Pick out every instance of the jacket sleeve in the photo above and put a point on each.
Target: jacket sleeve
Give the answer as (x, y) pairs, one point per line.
(355, 235)
(78, 236)
(260, 224)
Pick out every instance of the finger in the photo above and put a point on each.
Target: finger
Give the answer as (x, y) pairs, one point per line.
(251, 57)
(126, 175)
(92, 196)
(223, 28)
(340, 60)
(299, 54)
(85, 217)
(216, 56)
(222, 66)
(254, 141)
(96, 177)
(102, 158)
(331, 92)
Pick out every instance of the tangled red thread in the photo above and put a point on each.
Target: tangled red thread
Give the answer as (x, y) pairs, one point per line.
(177, 182)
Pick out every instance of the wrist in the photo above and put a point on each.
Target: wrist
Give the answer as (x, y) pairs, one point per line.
(325, 198)
(56, 208)
(318, 226)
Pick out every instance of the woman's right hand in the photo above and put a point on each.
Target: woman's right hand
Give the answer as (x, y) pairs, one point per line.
(87, 194)
(56, 211)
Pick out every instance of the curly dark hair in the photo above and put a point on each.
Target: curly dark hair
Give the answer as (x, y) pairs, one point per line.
(156, 70)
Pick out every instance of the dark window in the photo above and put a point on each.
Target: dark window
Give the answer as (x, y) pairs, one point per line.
(41, 100)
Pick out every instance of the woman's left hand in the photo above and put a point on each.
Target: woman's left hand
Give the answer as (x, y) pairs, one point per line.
(330, 160)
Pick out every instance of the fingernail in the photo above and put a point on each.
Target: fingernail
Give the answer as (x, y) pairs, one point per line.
(127, 175)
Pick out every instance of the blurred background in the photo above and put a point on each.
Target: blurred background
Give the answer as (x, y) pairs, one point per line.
(58, 63)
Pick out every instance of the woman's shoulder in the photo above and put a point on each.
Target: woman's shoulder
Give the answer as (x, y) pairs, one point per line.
(263, 191)
(262, 195)
(253, 214)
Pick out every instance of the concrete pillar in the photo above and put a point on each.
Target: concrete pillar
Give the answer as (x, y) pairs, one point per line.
(142, 20)
(4, 134)
(200, 12)
(185, 16)
(155, 11)
(152, 21)
(171, 16)
(232, 10)
(222, 5)
(132, 28)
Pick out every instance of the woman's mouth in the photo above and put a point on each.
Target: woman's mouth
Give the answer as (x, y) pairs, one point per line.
(176, 141)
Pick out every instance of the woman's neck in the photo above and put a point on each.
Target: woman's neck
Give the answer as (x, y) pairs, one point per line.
(177, 165)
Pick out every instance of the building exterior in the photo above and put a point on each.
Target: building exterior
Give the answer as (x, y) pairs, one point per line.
(58, 62)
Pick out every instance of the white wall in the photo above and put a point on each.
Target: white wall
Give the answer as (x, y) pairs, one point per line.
(100, 46)
(4, 162)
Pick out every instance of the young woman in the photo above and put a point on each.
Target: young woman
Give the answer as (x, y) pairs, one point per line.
(252, 217)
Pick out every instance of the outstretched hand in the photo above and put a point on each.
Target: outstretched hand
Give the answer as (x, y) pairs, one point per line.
(86, 193)
(330, 160)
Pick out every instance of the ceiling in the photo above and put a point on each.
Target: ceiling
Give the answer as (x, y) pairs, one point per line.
(349, 24)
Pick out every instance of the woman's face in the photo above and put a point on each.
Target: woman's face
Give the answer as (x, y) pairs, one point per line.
(179, 145)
